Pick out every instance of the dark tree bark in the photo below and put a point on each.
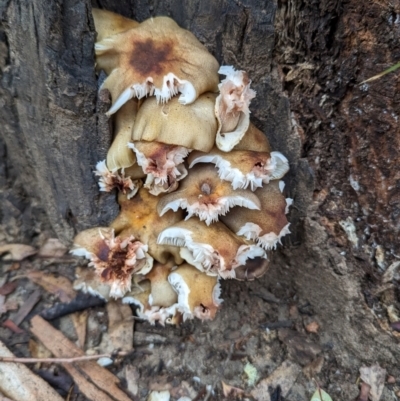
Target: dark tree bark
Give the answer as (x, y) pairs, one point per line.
(306, 59)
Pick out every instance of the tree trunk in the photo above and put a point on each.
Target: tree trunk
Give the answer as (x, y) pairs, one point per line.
(306, 60)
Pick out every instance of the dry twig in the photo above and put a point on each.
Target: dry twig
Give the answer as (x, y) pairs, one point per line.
(61, 360)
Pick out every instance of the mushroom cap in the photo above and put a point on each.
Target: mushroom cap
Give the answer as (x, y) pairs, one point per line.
(266, 226)
(139, 217)
(198, 294)
(158, 57)
(88, 281)
(119, 156)
(232, 107)
(109, 180)
(115, 259)
(204, 194)
(193, 126)
(244, 168)
(254, 140)
(164, 163)
(162, 293)
(214, 250)
(108, 23)
(254, 268)
(149, 312)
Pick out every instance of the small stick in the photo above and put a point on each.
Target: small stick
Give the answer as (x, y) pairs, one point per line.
(60, 360)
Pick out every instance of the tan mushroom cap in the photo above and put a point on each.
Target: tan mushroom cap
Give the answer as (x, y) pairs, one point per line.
(254, 140)
(162, 293)
(232, 107)
(253, 269)
(139, 217)
(198, 294)
(115, 259)
(244, 168)
(108, 23)
(147, 310)
(193, 126)
(158, 57)
(204, 194)
(162, 163)
(215, 249)
(266, 226)
(88, 281)
(119, 156)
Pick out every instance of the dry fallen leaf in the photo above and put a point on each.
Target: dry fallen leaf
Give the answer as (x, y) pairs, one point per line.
(26, 307)
(230, 391)
(17, 252)
(20, 383)
(79, 320)
(57, 285)
(374, 376)
(52, 248)
(8, 288)
(95, 382)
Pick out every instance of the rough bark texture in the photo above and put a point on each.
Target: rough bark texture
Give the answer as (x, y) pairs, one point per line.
(306, 59)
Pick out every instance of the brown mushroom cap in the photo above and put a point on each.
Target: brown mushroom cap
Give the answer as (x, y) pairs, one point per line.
(198, 294)
(266, 226)
(244, 168)
(204, 194)
(115, 259)
(232, 107)
(254, 140)
(108, 23)
(214, 250)
(158, 57)
(139, 217)
(162, 163)
(193, 126)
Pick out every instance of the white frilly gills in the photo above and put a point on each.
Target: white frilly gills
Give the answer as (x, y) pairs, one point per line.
(203, 194)
(115, 259)
(163, 164)
(198, 294)
(245, 168)
(113, 179)
(214, 250)
(232, 107)
(266, 226)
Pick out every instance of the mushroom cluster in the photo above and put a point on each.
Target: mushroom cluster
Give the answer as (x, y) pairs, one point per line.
(199, 191)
